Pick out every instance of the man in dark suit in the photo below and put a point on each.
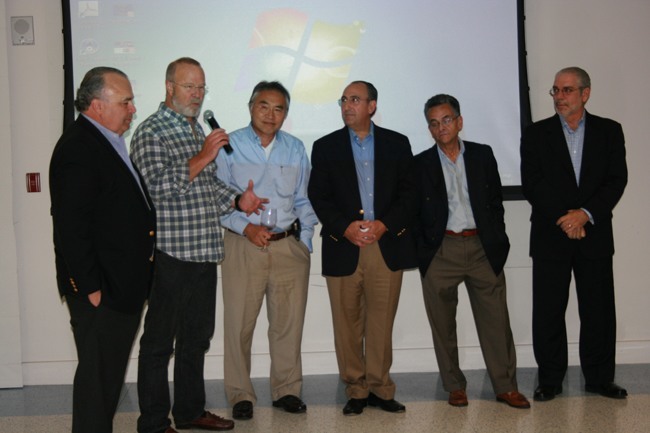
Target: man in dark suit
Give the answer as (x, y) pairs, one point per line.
(104, 236)
(462, 239)
(573, 173)
(363, 191)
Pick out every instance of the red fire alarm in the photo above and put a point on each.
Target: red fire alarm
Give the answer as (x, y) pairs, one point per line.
(33, 182)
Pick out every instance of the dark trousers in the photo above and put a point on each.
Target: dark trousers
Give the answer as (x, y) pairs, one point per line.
(181, 308)
(103, 338)
(595, 289)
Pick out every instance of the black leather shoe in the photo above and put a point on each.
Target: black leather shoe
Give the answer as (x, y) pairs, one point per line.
(391, 405)
(546, 392)
(355, 406)
(243, 410)
(610, 390)
(291, 404)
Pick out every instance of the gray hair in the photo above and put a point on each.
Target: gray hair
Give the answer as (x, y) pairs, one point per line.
(92, 86)
(583, 76)
(270, 85)
(442, 99)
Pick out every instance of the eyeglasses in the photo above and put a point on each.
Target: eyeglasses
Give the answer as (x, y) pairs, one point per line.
(446, 121)
(191, 87)
(354, 100)
(566, 91)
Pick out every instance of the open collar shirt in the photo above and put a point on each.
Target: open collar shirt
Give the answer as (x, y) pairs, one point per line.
(282, 177)
(363, 151)
(461, 216)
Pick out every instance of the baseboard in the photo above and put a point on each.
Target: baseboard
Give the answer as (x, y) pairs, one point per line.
(404, 360)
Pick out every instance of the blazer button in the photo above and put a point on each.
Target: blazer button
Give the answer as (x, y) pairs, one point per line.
(152, 233)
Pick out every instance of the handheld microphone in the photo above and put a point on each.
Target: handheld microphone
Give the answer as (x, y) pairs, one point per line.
(208, 117)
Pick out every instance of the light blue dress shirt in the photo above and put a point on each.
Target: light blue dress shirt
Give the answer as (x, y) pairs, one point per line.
(575, 140)
(460, 216)
(363, 152)
(282, 178)
(118, 143)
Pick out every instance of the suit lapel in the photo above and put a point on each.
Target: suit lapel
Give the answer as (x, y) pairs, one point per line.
(117, 160)
(590, 146)
(559, 147)
(434, 171)
(472, 167)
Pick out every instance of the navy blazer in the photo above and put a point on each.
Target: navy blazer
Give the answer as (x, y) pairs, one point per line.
(484, 187)
(334, 194)
(549, 184)
(104, 227)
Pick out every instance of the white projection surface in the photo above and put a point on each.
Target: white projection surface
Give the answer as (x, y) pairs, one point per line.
(409, 49)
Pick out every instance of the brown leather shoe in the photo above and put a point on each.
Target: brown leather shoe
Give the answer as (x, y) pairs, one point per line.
(458, 398)
(514, 399)
(208, 421)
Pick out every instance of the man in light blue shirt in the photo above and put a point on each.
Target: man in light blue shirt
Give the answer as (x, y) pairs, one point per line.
(266, 261)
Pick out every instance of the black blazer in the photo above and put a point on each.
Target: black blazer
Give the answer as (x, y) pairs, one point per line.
(334, 194)
(484, 187)
(549, 184)
(104, 228)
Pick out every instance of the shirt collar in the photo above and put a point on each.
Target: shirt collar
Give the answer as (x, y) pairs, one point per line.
(355, 138)
(581, 123)
(104, 130)
(460, 143)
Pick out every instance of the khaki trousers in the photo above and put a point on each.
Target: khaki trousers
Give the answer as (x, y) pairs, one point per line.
(462, 259)
(281, 274)
(363, 311)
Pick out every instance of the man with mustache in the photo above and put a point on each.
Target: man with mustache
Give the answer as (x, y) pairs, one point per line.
(177, 163)
(462, 238)
(573, 172)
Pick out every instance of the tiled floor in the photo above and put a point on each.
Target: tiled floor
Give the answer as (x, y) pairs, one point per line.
(37, 409)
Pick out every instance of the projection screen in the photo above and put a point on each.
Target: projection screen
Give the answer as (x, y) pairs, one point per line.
(409, 49)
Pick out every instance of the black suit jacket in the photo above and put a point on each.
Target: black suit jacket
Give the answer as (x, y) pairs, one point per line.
(549, 184)
(334, 194)
(104, 227)
(484, 187)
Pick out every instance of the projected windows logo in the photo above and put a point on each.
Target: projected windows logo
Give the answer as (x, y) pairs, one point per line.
(312, 59)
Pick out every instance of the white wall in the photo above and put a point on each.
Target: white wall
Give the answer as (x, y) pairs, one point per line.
(607, 38)
(10, 347)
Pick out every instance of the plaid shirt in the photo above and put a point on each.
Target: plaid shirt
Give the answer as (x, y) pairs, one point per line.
(188, 212)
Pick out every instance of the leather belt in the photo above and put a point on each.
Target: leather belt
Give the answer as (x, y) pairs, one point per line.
(465, 233)
(282, 235)
(275, 236)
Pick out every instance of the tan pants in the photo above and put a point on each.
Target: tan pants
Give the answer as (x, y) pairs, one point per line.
(281, 273)
(363, 311)
(462, 259)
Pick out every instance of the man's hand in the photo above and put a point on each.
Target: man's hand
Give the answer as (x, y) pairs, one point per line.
(573, 222)
(249, 202)
(258, 235)
(577, 233)
(376, 229)
(213, 142)
(95, 298)
(362, 233)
